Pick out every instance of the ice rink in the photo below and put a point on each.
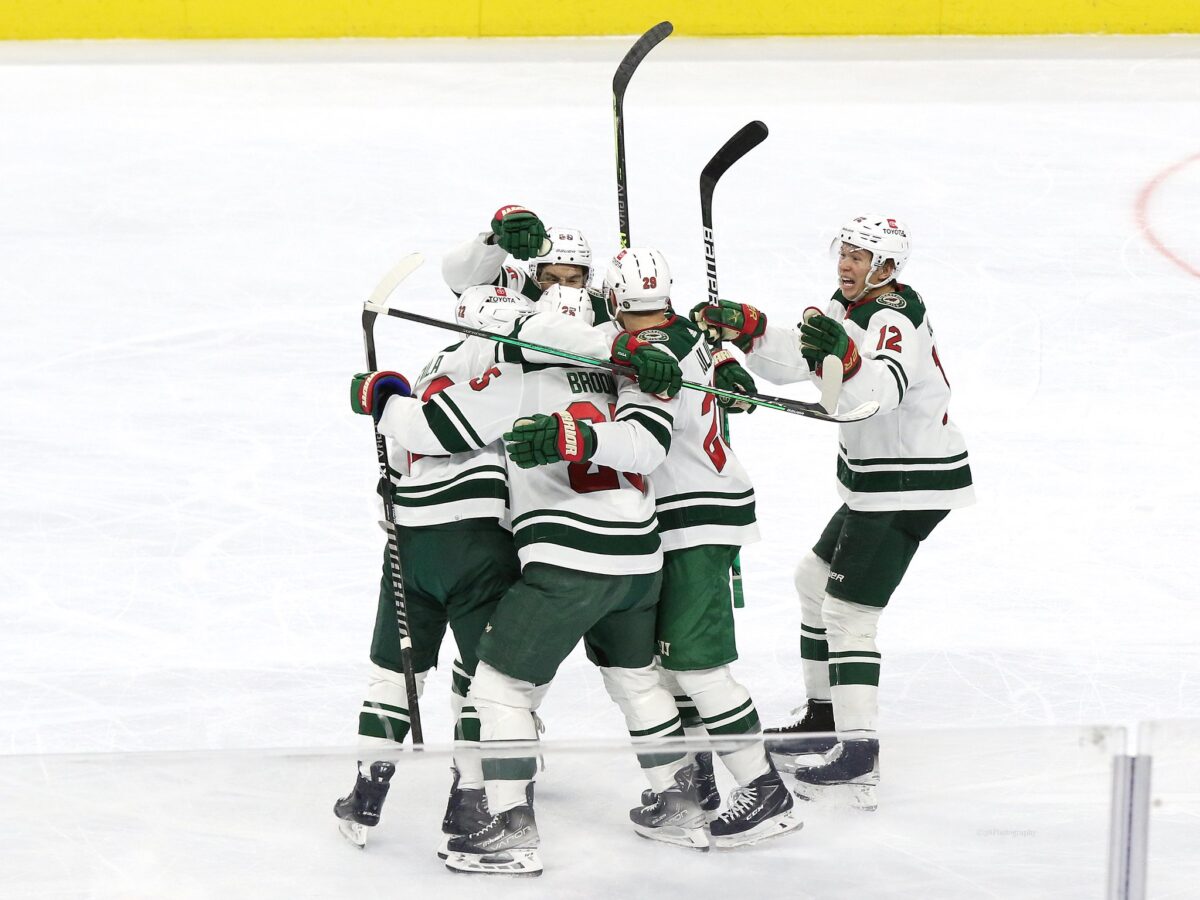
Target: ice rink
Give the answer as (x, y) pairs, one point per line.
(190, 555)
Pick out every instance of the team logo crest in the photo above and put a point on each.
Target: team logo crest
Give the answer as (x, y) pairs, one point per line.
(653, 336)
(895, 301)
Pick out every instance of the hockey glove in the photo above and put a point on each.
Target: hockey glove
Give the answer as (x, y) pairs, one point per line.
(520, 232)
(658, 372)
(821, 336)
(369, 392)
(542, 440)
(729, 321)
(728, 375)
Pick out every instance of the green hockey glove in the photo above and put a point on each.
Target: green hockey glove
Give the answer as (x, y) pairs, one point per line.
(520, 232)
(657, 371)
(740, 323)
(728, 375)
(821, 336)
(369, 392)
(542, 440)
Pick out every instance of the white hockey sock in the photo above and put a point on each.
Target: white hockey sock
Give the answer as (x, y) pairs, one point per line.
(727, 710)
(650, 715)
(466, 734)
(854, 664)
(811, 576)
(383, 720)
(505, 712)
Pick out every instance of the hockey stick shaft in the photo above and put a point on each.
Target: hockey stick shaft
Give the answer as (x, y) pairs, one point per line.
(621, 79)
(746, 139)
(395, 571)
(796, 407)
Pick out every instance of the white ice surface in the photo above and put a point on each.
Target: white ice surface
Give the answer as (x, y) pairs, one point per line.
(187, 233)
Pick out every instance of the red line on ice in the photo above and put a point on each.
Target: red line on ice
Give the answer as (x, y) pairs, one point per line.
(1143, 201)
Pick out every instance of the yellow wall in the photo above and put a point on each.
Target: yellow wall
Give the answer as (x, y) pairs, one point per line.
(37, 19)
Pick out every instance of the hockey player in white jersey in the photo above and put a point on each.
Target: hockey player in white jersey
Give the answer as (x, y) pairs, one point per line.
(457, 558)
(555, 255)
(705, 506)
(899, 472)
(587, 539)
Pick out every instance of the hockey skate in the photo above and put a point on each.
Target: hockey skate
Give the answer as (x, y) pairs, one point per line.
(506, 845)
(707, 792)
(675, 816)
(761, 809)
(466, 812)
(813, 734)
(848, 777)
(360, 809)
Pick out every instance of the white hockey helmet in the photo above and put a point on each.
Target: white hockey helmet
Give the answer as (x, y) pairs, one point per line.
(639, 280)
(489, 307)
(568, 247)
(880, 236)
(568, 301)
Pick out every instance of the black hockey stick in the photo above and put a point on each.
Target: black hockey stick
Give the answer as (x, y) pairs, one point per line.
(747, 138)
(796, 407)
(621, 79)
(371, 310)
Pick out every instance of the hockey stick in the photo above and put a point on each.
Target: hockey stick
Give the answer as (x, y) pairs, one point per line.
(371, 310)
(796, 407)
(621, 79)
(747, 138)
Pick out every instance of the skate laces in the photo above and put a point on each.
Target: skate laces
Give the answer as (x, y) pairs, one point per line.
(740, 801)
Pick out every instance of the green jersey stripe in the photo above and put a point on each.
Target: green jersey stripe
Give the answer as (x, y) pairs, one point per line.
(841, 653)
(737, 710)
(899, 368)
(810, 629)
(444, 430)
(386, 707)
(896, 378)
(657, 411)
(660, 433)
(453, 409)
(898, 482)
(853, 673)
(474, 489)
(704, 495)
(587, 541)
(905, 460)
(747, 724)
(692, 516)
(586, 520)
(465, 473)
(656, 729)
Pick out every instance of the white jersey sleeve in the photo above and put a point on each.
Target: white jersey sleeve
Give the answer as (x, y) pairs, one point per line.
(478, 262)
(776, 356)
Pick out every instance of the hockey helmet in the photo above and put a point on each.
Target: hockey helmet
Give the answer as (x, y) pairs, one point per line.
(639, 280)
(568, 247)
(489, 307)
(568, 301)
(880, 236)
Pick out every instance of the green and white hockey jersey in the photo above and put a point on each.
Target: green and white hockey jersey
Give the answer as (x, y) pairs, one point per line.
(909, 455)
(584, 516)
(478, 262)
(702, 494)
(438, 489)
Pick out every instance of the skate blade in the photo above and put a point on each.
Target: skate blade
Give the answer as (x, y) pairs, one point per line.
(775, 827)
(353, 832)
(841, 796)
(677, 836)
(525, 862)
(443, 850)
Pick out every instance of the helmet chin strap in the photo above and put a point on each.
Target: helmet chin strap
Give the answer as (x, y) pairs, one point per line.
(867, 286)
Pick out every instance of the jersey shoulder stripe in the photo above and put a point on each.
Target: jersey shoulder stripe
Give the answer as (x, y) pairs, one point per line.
(902, 299)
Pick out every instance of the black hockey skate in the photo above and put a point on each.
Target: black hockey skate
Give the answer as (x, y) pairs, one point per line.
(675, 816)
(466, 812)
(814, 733)
(707, 793)
(849, 776)
(761, 809)
(360, 809)
(506, 845)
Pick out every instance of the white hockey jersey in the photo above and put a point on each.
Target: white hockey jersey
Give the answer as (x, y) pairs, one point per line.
(437, 489)
(702, 493)
(584, 516)
(909, 455)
